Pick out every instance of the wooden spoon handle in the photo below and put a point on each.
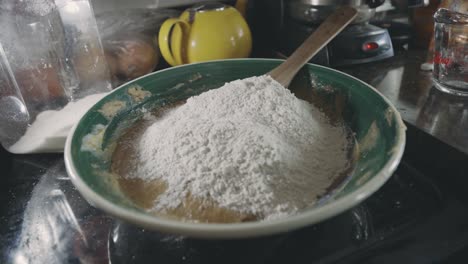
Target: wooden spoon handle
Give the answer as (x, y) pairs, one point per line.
(333, 25)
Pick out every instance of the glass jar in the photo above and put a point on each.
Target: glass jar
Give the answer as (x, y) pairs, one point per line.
(450, 72)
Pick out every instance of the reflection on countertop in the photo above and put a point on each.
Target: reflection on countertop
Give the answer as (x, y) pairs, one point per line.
(52, 223)
(47, 221)
(410, 89)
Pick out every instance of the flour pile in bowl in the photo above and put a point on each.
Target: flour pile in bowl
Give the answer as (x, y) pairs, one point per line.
(250, 146)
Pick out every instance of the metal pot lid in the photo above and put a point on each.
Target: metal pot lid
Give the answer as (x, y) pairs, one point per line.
(204, 7)
(316, 14)
(330, 2)
(207, 7)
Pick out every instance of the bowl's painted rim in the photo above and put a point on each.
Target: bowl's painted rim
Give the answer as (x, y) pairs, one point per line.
(249, 229)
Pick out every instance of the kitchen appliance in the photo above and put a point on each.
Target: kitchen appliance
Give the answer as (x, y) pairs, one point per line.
(325, 33)
(286, 24)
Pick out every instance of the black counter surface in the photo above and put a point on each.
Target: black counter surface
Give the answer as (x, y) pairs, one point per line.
(419, 216)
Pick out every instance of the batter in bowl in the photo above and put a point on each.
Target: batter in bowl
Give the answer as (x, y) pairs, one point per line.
(249, 150)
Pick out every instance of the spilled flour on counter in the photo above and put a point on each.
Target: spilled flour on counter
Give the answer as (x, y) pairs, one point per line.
(249, 146)
(49, 131)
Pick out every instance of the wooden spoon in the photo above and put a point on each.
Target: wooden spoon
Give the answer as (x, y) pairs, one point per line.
(333, 25)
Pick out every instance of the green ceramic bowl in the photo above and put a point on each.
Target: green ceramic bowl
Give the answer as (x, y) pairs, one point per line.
(377, 125)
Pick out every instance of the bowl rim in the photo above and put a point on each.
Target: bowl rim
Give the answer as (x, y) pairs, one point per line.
(247, 229)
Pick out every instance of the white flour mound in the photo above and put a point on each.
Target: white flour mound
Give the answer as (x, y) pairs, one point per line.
(49, 131)
(250, 146)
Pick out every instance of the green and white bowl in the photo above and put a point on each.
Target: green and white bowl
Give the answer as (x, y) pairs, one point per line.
(376, 124)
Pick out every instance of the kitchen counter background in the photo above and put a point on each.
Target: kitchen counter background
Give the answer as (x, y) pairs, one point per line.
(410, 89)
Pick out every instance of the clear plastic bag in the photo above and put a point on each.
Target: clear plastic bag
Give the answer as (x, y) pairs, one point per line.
(129, 41)
(51, 56)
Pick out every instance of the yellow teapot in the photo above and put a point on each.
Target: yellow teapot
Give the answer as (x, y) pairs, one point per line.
(205, 32)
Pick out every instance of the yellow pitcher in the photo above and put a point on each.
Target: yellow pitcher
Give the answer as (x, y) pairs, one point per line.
(205, 32)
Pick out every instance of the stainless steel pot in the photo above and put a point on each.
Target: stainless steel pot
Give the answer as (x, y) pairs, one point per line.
(369, 3)
(315, 11)
(330, 2)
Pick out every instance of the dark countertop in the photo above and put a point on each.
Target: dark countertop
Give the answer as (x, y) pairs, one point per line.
(419, 216)
(410, 89)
